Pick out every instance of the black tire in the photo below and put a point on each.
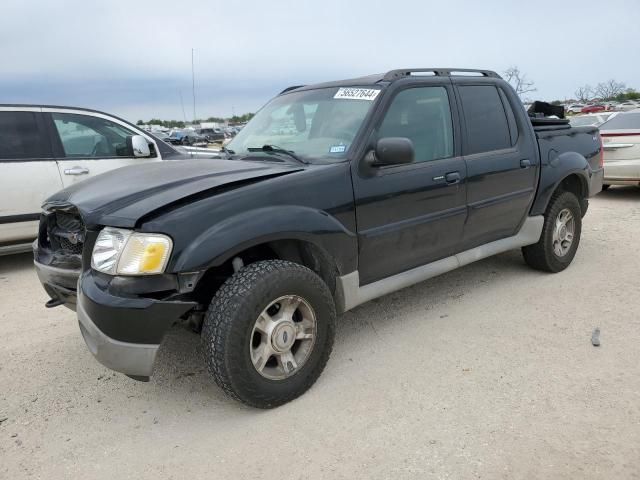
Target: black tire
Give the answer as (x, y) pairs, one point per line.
(541, 255)
(229, 323)
(605, 187)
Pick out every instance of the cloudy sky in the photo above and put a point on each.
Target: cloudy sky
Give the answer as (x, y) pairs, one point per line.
(133, 58)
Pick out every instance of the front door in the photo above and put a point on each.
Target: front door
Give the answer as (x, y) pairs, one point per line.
(90, 145)
(410, 215)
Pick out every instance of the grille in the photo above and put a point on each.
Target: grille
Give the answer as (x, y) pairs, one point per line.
(65, 231)
(71, 247)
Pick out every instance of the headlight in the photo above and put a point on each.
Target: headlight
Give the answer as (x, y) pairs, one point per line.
(122, 252)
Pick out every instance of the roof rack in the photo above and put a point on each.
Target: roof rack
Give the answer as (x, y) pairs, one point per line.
(392, 75)
(293, 87)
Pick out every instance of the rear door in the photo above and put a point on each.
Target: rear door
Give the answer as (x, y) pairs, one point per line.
(413, 214)
(621, 142)
(88, 144)
(501, 157)
(28, 173)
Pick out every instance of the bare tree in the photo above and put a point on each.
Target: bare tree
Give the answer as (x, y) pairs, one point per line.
(609, 89)
(584, 94)
(519, 81)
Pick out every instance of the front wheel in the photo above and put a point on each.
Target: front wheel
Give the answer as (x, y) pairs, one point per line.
(268, 332)
(560, 235)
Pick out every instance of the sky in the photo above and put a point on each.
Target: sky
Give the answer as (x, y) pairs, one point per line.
(133, 58)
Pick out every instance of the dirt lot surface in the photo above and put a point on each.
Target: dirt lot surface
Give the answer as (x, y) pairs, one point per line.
(486, 372)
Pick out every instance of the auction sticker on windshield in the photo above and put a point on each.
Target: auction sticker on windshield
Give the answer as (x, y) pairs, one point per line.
(357, 93)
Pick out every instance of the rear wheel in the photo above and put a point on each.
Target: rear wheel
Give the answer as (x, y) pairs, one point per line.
(560, 235)
(268, 332)
(605, 187)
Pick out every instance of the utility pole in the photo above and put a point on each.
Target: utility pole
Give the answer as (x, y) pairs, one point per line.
(193, 87)
(184, 115)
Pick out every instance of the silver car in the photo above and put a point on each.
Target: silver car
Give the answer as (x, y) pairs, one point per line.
(621, 141)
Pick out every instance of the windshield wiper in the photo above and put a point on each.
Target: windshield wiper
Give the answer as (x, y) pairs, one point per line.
(276, 149)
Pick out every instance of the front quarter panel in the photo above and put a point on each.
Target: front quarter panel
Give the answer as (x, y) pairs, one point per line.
(227, 238)
(314, 205)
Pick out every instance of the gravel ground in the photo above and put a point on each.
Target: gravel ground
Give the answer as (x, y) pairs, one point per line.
(486, 372)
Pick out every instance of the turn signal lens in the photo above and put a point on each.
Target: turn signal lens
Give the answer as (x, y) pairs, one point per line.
(144, 254)
(123, 252)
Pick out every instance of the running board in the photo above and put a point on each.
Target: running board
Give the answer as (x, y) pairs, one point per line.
(351, 294)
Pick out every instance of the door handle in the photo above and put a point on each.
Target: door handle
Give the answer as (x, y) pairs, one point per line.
(452, 177)
(525, 163)
(76, 171)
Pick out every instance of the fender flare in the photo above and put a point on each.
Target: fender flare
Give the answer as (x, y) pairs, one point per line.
(231, 236)
(554, 171)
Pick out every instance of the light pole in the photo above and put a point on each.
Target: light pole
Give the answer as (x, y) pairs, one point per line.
(193, 87)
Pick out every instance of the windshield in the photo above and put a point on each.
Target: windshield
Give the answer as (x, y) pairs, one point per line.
(313, 124)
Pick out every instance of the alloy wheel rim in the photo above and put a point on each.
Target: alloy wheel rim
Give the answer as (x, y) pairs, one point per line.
(563, 232)
(283, 337)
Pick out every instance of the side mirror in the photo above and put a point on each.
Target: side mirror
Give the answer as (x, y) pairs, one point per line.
(394, 151)
(139, 146)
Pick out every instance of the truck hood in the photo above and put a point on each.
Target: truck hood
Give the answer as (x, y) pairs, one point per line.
(121, 197)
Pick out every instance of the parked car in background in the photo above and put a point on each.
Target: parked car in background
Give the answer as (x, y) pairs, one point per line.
(574, 108)
(591, 119)
(628, 105)
(44, 149)
(185, 137)
(621, 141)
(594, 108)
(162, 136)
(211, 135)
(386, 181)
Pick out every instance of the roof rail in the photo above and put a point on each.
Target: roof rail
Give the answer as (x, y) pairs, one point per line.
(293, 87)
(392, 75)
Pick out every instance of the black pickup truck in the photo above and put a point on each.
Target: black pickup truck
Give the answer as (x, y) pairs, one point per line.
(332, 195)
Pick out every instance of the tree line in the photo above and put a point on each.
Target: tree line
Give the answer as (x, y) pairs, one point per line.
(604, 91)
(609, 90)
(180, 124)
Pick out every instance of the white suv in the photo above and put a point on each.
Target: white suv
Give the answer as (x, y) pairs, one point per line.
(44, 149)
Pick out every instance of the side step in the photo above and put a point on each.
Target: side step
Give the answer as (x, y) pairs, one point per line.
(353, 294)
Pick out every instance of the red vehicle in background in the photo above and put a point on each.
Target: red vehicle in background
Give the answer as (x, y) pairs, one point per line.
(594, 108)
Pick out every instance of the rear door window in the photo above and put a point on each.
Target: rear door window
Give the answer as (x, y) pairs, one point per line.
(21, 137)
(485, 119)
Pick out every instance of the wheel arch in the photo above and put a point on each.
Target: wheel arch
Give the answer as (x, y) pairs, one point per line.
(302, 235)
(569, 171)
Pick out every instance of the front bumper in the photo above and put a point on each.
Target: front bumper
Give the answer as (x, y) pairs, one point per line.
(59, 283)
(124, 331)
(134, 359)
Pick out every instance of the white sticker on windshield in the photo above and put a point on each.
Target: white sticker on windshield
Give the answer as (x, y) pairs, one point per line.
(357, 93)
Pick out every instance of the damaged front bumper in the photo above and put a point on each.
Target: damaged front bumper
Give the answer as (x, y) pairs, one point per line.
(122, 330)
(59, 283)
